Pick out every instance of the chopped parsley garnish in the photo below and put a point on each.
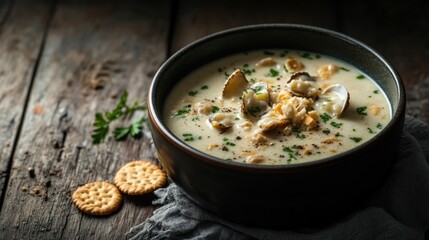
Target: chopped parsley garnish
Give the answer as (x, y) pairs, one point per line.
(285, 68)
(290, 152)
(274, 73)
(336, 125)
(345, 69)
(215, 109)
(228, 142)
(376, 91)
(226, 74)
(245, 65)
(253, 80)
(248, 71)
(338, 135)
(356, 139)
(326, 131)
(185, 110)
(325, 117)
(189, 137)
(379, 126)
(257, 89)
(360, 77)
(307, 55)
(362, 110)
(269, 53)
(195, 119)
(205, 87)
(300, 136)
(192, 93)
(370, 130)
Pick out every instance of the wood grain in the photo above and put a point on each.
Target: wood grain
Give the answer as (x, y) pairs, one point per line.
(63, 61)
(21, 36)
(120, 45)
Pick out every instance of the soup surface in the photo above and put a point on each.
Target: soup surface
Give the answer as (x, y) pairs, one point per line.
(276, 107)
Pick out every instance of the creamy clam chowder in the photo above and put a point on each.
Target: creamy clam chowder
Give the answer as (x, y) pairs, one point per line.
(276, 107)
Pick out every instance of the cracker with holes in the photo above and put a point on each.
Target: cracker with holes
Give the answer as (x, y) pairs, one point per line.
(139, 177)
(97, 198)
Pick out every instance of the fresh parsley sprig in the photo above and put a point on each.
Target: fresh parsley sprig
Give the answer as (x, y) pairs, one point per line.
(122, 111)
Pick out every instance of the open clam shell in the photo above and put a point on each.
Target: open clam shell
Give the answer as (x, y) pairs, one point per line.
(335, 99)
(235, 84)
(304, 76)
(256, 100)
(301, 84)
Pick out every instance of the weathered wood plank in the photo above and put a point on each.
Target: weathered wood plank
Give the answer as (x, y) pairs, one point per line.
(22, 25)
(122, 43)
(196, 19)
(399, 31)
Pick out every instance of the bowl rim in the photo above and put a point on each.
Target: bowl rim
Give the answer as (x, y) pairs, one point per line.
(158, 123)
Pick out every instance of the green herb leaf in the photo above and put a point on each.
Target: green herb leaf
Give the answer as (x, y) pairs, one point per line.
(101, 129)
(290, 152)
(379, 126)
(336, 125)
(362, 110)
(356, 139)
(205, 87)
(307, 55)
(192, 93)
(360, 77)
(121, 110)
(301, 136)
(121, 132)
(345, 69)
(215, 109)
(136, 127)
(273, 72)
(326, 131)
(338, 135)
(375, 91)
(325, 117)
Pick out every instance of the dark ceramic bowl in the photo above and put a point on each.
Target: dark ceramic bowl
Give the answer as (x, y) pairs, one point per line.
(287, 195)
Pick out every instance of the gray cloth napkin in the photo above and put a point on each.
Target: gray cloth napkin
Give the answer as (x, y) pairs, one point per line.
(398, 210)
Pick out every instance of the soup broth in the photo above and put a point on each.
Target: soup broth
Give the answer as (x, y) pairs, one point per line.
(276, 107)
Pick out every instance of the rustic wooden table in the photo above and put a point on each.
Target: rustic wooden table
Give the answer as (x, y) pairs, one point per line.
(52, 51)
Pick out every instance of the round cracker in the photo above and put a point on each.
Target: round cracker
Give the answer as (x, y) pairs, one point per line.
(97, 198)
(139, 177)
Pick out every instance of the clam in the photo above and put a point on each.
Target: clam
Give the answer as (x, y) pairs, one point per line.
(294, 65)
(256, 100)
(255, 159)
(222, 121)
(271, 121)
(304, 76)
(303, 85)
(203, 107)
(235, 84)
(266, 62)
(334, 99)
